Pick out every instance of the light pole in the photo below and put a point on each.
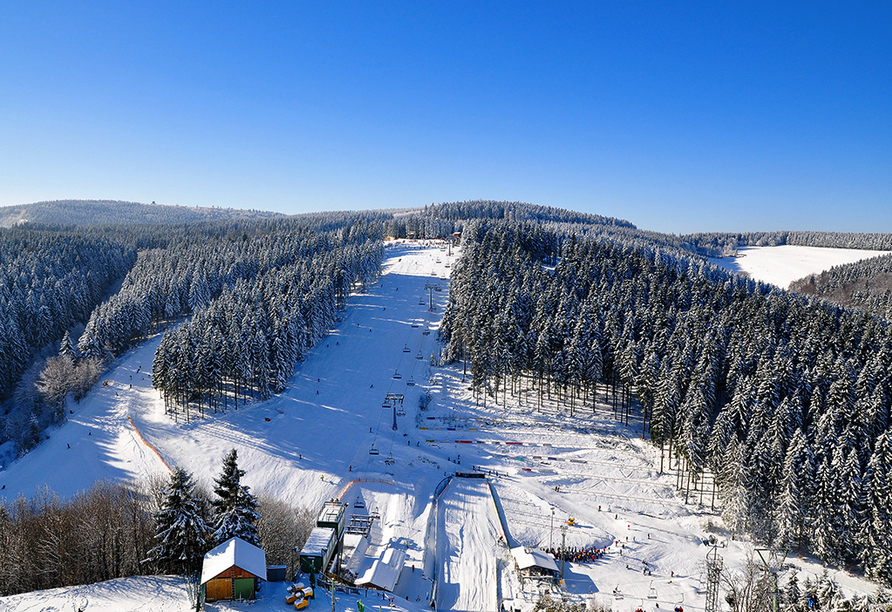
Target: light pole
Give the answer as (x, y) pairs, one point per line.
(551, 532)
(563, 546)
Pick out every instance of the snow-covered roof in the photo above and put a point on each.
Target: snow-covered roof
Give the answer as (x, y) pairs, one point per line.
(318, 542)
(528, 557)
(384, 571)
(237, 552)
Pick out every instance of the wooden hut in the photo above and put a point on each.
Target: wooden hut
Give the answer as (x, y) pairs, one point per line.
(231, 570)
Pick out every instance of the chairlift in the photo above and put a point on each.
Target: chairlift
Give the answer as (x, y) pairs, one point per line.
(390, 460)
(680, 606)
(438, 289)
(386, 404)
(426, 332)
(401, 412)
(421, 302)
(359, 503)
(652, 593)
(410, 382)
(397, 375)
(406, 348)
(414, 325)
(419, 356)
(374, 451)
(617, 592)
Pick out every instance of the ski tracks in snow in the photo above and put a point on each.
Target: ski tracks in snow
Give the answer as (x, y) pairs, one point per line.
(468, 547)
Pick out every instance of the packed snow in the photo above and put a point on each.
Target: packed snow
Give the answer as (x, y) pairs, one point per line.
(556, 475)
(781, 265)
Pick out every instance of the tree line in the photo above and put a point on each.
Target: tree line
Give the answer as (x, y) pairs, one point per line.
(785, 399)
(114, 530)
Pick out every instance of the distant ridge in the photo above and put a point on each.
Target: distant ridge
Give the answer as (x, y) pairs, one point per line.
(99, 212)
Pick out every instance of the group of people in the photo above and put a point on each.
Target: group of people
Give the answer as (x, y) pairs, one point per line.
(577, 555)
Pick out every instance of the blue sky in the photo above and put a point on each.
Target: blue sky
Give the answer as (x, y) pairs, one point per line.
(677, 116)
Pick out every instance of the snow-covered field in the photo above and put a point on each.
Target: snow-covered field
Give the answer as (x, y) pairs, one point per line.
(781, 265)
(316, 441)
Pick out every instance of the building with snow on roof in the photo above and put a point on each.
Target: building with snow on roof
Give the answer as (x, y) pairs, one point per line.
(535, 565)
(231, 570)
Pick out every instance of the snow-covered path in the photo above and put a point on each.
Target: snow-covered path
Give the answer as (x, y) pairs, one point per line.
(467, 547)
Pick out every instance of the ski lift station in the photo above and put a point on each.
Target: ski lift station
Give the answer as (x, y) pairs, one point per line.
(535, 565)
(320, 547)
(334, 516)
(318, 550)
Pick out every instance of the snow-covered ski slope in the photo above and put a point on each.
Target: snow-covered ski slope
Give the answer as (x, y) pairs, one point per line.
(467, 547)
(546, 464)
(781, 265)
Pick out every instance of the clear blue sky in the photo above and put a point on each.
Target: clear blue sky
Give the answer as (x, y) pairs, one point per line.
(677, 116)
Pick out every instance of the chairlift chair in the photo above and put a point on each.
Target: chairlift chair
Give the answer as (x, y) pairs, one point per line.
(406, 348)
(390, 460)
(652, 593)
(374, 451)
(410, 382)
(397, 375)
(426, 332)
(419, 355)
(421, 302)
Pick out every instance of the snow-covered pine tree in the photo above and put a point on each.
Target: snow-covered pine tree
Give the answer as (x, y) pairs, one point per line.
(182, 533)
(67, 348)
(877, 528)
(235, 509)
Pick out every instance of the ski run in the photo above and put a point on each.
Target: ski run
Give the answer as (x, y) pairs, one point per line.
(349, 427)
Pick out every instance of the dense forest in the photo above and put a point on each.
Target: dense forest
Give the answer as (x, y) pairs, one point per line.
(865, 285)
(725, 244)
(50, 281)
(786, 400)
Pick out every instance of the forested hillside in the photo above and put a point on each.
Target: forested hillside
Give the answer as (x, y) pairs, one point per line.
(718, 244)
(786, 400)
(111, 212)
(291, 272)
(866, 285)
(49, 281)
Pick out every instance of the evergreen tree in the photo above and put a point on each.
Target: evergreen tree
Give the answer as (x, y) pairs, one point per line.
(182, 533)
(877, 528)
(235, 509)
(67, 348)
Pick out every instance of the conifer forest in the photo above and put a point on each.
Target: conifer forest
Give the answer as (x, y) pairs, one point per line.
(781, 396)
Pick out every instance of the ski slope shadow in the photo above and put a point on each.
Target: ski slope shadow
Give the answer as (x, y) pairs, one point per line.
(467, 546)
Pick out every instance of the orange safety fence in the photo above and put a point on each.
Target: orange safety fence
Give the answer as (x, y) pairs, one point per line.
(152, 448)
(352, 482)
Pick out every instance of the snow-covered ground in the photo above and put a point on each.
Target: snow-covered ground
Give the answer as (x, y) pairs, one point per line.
(329, 435)
(781, 265)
